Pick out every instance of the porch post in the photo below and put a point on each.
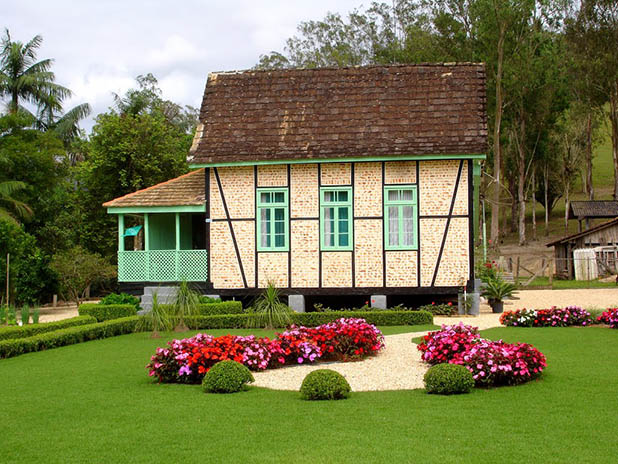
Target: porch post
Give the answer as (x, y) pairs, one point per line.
(176, 257)
(121, 232)
(146, 232)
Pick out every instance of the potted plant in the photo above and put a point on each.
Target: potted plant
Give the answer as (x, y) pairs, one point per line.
(495, 291)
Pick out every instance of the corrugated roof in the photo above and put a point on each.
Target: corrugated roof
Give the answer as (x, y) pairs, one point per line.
(583, 233)
(593, 209)
(290, 114)
(186, 190)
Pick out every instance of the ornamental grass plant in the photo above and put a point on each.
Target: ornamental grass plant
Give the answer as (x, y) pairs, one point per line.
(186, 305)
(271, 311)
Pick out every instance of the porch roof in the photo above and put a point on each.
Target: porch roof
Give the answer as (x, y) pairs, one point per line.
(184, 193)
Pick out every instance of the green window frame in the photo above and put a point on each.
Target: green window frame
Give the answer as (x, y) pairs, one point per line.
(336, 221)
(400, 218)
(273, 224)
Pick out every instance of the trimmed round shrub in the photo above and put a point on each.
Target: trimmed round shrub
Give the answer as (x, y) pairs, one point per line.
(227, 377)
(325, 384)
(448, 379)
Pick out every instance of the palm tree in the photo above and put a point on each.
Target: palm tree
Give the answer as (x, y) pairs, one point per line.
(24, 78)
(10, 208)
(66, 127)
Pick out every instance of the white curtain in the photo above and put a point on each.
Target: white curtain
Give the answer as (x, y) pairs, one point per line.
(393, 224)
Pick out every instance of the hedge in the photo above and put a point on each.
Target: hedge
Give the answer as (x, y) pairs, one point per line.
(239, 321)
(68, 336)
(9, 333)
(220, 307)
(106, 312)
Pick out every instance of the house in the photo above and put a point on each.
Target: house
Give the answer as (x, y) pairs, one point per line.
(592, 209)
(603, 238)
(332, 181)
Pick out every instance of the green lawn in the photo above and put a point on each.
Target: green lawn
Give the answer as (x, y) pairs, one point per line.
(566, 284)
(93, 402)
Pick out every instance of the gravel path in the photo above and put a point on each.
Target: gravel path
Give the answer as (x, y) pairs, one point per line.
(398, 366)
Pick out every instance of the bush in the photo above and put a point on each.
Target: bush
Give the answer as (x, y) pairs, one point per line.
(206, 299)
(553, 317)
(8, 333)
(448, 379)
(227, 377)
(325, 384)
(121, 299)
(220, 307)
(609, 317)
(442, 345)
(239, 321)
(68, 336)
(443, 309)
(106, 312)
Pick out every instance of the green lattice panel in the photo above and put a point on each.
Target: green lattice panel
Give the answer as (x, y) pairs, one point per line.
(132, 266)
(162, 266)
(192, 265)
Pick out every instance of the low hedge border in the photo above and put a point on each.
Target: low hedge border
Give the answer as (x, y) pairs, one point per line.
(13, 332)
(240, 321)
(102, 312)
(221, 307)
(68, 336)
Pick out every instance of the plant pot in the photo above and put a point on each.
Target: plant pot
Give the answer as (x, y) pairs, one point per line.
(497, 306)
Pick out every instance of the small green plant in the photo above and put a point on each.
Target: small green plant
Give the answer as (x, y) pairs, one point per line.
(325, 384)
(227, 377)
(448, 379)
(206, 299)
(441, 309)
(186, 305)
(498, 289)
(122, 298)
(24, 314)
(3, 314)
(11, 317)
(270, 310)
(35, 315)
(158, 319)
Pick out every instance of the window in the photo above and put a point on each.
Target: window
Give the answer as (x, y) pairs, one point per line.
(336, 218)
(400, 225)
(272, 220)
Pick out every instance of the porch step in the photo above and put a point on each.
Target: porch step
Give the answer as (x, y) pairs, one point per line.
(165, 295)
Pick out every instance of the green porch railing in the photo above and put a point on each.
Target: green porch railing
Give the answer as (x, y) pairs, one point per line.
(162, 266)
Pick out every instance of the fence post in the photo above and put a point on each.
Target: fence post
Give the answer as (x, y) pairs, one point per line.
(551, 272)
(517, 270)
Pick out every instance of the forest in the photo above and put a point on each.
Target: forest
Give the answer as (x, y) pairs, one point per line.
(552, 97)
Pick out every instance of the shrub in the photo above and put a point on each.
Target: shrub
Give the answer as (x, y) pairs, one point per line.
(67, 336)
(220, 307)
(35, 315)
(106, 312)
(9, 333)
(269, 310)
(609, 317)
(159, 318)
(442, 345)
(186, 305)
(324, 384)
(24, 314)
(206, 299)
(553, 317)
(443, 309)
(448, 379)
(227, 377)
(121, 299)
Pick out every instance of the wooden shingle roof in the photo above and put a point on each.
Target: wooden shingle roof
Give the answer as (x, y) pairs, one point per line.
(186, 190)
(573, 237)
(419, 109)
(593, 209)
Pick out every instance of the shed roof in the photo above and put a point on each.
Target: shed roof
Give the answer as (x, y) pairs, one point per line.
(569, 238)
(370, 111)
(593, 209)
(186, 190)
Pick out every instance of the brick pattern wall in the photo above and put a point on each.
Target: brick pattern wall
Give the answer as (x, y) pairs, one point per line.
(336, 173)
(400, 172)
(435, 189)
(337, 269)
(304, 202)
(367, 189)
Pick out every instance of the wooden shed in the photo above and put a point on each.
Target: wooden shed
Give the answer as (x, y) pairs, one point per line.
(601, 235)
(337, 181)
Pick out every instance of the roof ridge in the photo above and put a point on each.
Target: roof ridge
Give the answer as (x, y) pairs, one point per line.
(108, 204)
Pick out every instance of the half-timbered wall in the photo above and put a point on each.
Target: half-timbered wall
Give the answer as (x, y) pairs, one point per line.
(444, 226)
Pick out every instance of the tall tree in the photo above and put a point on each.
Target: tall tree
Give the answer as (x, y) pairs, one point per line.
(22, 78)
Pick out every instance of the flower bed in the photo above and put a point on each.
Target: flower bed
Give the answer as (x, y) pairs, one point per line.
(188, 360)
(609, 317)
(491, 363)
(553, 317)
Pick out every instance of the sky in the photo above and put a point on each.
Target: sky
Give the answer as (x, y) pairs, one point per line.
(99, 47)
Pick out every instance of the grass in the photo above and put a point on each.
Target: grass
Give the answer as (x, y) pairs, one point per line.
(566, 284)
(94, 403)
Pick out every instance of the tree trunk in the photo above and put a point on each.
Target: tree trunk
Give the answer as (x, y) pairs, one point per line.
(533, 195)
(566, 208)
(514, 199)
(521, 182)
(613, 116)
(546, 193)
(495, 204)
(589, 186)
